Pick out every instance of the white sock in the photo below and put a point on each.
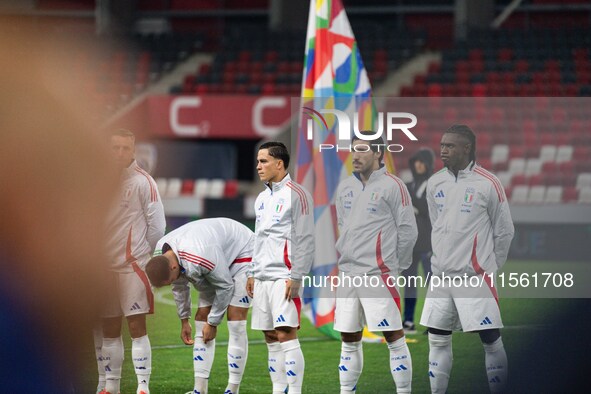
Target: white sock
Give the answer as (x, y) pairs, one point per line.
(277, 367)
(237, 354)
(113, 361)
(232, 388)
(350, 366)
(97, 334)
(495, 360)
(141, 354)
(294, 365)
(203, 354)
(440, 362)
(401, 365)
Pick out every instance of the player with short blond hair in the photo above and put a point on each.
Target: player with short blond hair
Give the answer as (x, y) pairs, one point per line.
(213, 255)
(134, 226)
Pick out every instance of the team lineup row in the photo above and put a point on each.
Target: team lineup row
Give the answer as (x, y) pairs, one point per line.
(235, 269)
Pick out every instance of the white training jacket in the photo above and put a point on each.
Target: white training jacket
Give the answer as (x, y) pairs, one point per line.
(377, 225)
(284, 232)
(210, 252)
(472, 225)
(137, 222)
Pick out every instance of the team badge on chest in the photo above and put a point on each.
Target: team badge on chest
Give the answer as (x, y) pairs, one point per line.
(279, 206)
(469, 195)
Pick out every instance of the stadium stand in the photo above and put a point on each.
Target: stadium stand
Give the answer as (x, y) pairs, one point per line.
(121, 72)
(531, 56)
(253, 60)
(542, 62)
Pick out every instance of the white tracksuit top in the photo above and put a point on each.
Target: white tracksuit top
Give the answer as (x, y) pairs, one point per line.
(377, 225)
(206, 250)
(472, 225)
(137, 222)
(284, 232)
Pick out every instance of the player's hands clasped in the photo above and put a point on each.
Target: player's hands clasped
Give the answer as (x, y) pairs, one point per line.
(186, 332)
(292, 289)
(250, 287)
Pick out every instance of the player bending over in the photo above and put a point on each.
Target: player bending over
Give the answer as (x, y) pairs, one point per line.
(213, 255)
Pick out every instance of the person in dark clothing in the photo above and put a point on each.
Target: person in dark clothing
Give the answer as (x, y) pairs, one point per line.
(421, 166)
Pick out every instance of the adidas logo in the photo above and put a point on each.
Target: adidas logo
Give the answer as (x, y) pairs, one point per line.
(400, 368)
(384, 323)
(244, 300)
(343, 368)
(134, 307)
(107, 368)
(262, 206)
(496, 379)
(233, 365)
(271, 369)
(431, 375)
(198, 358)
(440, 194)
(280, 319)
(350, 194)
(486, 321)
(290, 373)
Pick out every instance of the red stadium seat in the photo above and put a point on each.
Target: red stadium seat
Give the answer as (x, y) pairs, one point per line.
(485, 163)
(434, 68)
(553, 178)
(420, 79)
(244, 56)
(505, 54)
(567, 167)
(231, 189)
(478, 90)
(568, 179)
(271, 56)
(550, 167)
(518, 180)
(268, 88)
(406, 91)
(570, 194)
(498, 167)
(581, 153)
(516, 152)
(493, 78)
(531, 151)
(536, 180)
(201, 88)
(475, 54)
(547, 139)
(434, 90)
(565, 138)
(521, 66)
(187, 187)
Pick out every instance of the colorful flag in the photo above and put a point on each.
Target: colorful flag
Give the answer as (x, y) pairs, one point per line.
(334, 78)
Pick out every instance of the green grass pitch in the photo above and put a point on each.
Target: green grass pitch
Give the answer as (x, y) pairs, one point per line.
(172, 366)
